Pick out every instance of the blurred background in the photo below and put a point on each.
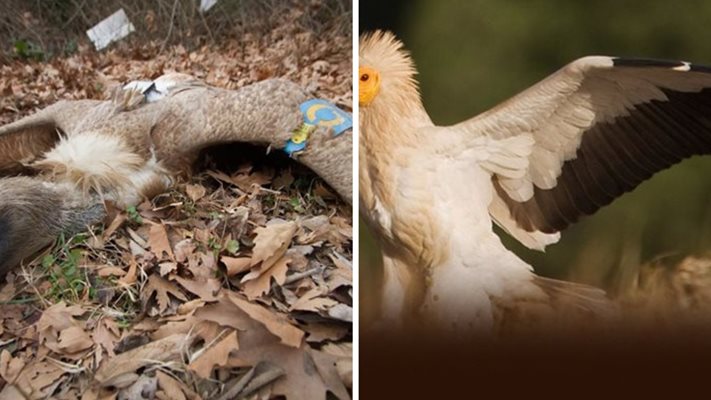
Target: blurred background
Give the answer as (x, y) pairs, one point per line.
(42, 29)
(47, 55)
(474, 54)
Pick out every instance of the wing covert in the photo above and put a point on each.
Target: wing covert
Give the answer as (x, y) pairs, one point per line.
(600, 127)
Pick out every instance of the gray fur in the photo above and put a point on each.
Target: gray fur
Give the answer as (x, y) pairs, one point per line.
(33, 213)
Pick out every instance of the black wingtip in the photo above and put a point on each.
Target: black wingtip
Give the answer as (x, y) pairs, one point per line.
(645, 62)
(657, 63)
(700, 68)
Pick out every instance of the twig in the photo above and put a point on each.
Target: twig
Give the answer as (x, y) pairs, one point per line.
(170, 27)
(300, 275)
(262, 374)
(78, 11)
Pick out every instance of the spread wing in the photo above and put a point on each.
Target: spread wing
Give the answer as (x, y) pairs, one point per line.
(26, 139)
(600, 126)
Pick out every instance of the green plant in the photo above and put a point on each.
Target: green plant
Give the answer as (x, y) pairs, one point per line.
(232, 247)
(68, 281)
(133, 215)
(28, 50)
(295, 203)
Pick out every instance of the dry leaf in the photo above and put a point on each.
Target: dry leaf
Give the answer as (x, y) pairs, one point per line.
(106, 334)
(184, 249)
(275, 323)
(225, 313)
(126, 363)
(167, 267)
(118, 220)
(7, 292)
(54, 321)
(161, 288)
(259, 286)
(109, 270)
(144, 387)
(312, 301)
(11, 392)
(321, 332)
(309, 374)
(10, 367)
(173, 389)
(195, 192)
(131, 276)
(207, 289)
(215, 354)
(236, 265)
(74, 339)
(39, 379)
(158, 241)
(271, 244)
(341, 312)
(247, 181)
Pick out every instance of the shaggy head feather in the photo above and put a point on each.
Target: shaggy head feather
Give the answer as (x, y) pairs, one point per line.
(382, 52)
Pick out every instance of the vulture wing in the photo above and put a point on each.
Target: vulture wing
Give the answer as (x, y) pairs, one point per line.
(163, 124)
(599, 127)
(26, 139)
(193, 117)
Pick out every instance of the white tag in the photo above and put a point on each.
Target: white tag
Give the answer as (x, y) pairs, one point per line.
(207, 4)
(115, 27)
(141, 86)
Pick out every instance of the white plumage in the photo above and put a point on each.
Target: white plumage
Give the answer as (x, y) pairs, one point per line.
(534, 164)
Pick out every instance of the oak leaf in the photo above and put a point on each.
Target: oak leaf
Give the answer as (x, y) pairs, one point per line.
(162, 289)
(158, 241)
(275, 323)
(261, 285)
(214, 354)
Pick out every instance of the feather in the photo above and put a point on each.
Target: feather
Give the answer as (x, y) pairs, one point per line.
(534, 164)
(135, 144)
(630, 119)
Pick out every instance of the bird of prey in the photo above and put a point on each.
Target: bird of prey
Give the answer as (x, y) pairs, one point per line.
(533, 165)
(60, 165)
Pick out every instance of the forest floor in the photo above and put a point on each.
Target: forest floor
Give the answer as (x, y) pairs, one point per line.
(236, 284)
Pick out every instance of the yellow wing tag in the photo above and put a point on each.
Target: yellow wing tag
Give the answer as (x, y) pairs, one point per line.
(299, 136)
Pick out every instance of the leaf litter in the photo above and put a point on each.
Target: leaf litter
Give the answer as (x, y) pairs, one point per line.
(235, 284)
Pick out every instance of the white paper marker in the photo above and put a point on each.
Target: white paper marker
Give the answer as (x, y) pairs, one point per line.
(206, 4)
(115, 27)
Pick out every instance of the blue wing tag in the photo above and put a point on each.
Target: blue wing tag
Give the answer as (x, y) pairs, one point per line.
(323, 113)
(317, 112)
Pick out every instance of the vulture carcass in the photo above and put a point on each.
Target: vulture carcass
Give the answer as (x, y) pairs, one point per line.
(533, 165)
(58, 166)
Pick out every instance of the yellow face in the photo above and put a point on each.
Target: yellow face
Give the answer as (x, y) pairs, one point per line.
(368, 85)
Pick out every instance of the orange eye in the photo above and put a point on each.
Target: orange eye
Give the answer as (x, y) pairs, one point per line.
(369, 85)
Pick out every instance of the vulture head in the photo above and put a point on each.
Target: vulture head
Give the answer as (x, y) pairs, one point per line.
(386, 72)
(59, 166)
(388, 93)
